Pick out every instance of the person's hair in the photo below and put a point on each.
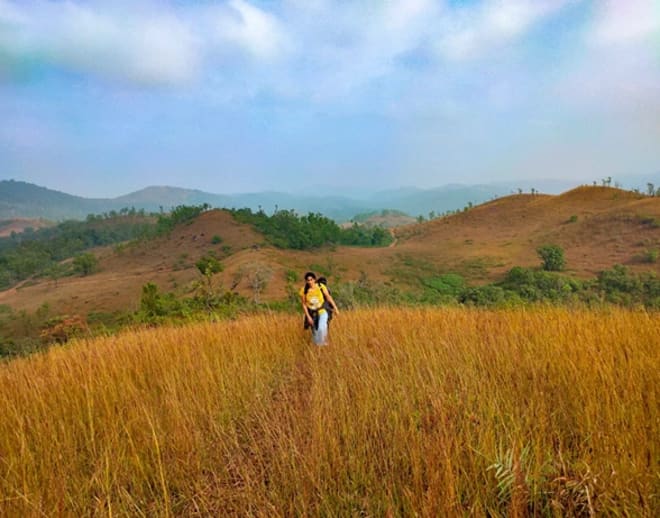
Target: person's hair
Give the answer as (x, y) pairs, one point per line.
(307, 276)
(322, 280)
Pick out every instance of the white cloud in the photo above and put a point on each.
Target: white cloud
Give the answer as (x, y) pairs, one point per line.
(318, 49)
(625, 22)
(618, 70)
(253, 30)
(151, 48)
(481, 28)
(340, 47)
(143, 43)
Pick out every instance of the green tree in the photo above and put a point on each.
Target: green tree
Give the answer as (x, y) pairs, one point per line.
(552, 257)
(55, 272)
(208, 265)
(85, 263)
(150, 302)
(206, 290)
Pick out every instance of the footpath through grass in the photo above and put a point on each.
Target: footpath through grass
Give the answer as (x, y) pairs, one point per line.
(552, 412)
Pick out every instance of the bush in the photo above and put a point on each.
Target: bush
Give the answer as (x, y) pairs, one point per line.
(536, 286)
(619, 279)
(447, 285)
(552, 257)
(366, 292)
(488, 295)
(155, 305)
(621, 286)
(209, 265)
(85, 264)
(651, 256)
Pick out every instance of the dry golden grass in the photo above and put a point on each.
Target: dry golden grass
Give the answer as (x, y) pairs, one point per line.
(438, 412)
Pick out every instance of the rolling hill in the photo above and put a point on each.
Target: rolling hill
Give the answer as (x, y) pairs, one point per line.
(24, 200)
(597, 226)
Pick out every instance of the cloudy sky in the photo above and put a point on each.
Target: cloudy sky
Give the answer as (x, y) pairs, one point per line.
(104, 98)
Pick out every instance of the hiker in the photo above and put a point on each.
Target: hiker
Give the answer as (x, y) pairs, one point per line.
(313, 297)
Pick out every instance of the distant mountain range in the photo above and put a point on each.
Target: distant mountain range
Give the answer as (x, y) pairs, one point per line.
(25, 200)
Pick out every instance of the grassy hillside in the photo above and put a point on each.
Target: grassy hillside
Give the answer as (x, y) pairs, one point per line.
(432, 412)
(598, 228)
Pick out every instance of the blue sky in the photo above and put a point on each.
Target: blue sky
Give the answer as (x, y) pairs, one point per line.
(104, 98)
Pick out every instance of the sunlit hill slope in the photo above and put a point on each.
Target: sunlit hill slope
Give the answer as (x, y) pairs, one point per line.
(597, 227)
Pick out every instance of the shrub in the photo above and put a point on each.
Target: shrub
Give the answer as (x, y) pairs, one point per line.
(552, 257)
(621, 286)
(619, 279)
(448, 284)
(536, 286)
(216, 240)
(651, 256)
(366, 292)
(209, 265)
(155, 305)
(85, 263)
(488, 295)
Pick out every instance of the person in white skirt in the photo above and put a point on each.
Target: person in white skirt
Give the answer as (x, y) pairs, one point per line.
(313, 297)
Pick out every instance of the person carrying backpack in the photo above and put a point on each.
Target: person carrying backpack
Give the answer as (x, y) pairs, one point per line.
(313, 297)
(328, 307)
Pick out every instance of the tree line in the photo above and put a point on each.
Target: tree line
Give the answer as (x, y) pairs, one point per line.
(287, 229)
(32, 252)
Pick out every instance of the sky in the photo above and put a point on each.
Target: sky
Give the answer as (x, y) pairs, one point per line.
(102, 98)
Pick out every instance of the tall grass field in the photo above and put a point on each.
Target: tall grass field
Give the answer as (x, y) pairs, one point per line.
(409, 412)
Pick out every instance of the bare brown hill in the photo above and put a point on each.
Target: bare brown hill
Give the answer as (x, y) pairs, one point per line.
(597, 227)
